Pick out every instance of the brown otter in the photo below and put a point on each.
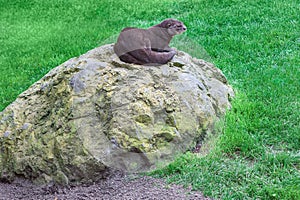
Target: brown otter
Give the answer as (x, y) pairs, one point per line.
(148, 46)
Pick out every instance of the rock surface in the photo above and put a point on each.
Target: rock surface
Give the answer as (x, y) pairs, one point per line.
(94, 113)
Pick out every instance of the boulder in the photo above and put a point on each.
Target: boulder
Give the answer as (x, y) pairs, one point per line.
(94, 113)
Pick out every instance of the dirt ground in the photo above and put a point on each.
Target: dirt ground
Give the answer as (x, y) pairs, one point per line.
(118, 186)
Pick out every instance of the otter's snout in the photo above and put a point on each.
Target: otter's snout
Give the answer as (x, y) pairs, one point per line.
(180, 28)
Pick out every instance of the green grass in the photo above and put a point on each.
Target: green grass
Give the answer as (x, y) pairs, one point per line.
(255, 43)
(268, 177)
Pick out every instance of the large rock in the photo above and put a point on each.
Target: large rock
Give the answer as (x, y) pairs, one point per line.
(95, 113)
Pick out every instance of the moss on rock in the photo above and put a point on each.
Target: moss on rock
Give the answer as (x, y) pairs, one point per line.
(95, 112)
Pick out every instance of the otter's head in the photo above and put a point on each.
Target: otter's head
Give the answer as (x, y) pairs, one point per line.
(173, 26)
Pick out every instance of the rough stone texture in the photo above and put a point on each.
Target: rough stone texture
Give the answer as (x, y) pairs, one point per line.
(95, 112)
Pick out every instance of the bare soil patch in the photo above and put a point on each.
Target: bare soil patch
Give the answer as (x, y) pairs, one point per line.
(118, 186)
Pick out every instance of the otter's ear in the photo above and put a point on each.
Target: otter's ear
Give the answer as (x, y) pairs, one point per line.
(169, 25)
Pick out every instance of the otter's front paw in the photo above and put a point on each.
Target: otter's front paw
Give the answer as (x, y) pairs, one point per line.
(172, 53)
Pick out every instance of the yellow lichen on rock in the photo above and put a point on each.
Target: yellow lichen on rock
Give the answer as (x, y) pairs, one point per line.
(95, 112)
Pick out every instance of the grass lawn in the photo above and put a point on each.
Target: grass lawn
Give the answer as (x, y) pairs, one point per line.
(256, 153)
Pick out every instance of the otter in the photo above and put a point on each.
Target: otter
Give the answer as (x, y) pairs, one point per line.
(148, 46)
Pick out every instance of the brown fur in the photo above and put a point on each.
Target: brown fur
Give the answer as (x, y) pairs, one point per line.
(148, 46)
